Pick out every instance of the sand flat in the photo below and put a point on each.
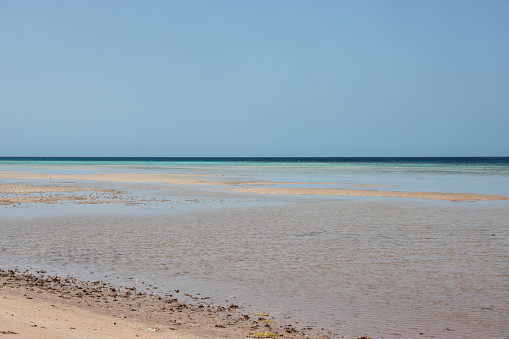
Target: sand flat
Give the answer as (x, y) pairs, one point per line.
(168, 178)
(13, 194)
(368, 193)
(182, 179)
(261, 187)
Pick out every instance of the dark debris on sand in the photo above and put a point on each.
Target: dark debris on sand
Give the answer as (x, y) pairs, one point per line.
(127, 302)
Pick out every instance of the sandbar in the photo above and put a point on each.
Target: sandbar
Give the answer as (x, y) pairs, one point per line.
(260, 187)
(368, 193)
(178, 179)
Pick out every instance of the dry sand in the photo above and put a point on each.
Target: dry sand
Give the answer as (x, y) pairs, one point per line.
(40, 306)
(40, 318)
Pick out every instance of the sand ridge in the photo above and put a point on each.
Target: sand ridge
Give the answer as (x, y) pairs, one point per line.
(178, 179)
(260, 187)
(368, 193)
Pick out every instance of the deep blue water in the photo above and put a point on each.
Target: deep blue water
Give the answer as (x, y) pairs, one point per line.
(502, 161)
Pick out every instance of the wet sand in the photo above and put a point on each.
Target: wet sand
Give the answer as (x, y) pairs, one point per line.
(232, 185)
(13, 194)
(40, 306)
(177, 179)
(58, 193)
(369, 193)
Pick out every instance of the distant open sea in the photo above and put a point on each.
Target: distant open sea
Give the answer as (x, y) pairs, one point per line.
(408, 161)
(373, 266)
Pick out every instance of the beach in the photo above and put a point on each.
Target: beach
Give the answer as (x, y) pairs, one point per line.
(39, 306)
(296, 257)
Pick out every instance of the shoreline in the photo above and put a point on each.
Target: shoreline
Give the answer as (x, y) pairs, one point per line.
(41, 306)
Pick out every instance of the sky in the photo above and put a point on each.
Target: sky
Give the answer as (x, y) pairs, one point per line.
(254, 78)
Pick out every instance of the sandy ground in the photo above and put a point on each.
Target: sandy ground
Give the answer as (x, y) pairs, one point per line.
(369, 193)
(61, 192)
(178, 179)
(39, 318)
(40, 306)
(12, 193)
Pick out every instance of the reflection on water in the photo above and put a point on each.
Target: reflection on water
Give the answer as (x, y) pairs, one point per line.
(385, 268)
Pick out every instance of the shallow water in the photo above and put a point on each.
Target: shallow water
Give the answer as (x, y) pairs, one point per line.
(456, 176)
(351, 265)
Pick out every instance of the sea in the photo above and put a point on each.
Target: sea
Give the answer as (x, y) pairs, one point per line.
(344, 266)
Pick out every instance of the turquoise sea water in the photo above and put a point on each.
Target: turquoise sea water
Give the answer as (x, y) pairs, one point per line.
(380, 267)
(460, 163)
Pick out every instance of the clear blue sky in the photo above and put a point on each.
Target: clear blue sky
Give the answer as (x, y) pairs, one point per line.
(254, 78)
